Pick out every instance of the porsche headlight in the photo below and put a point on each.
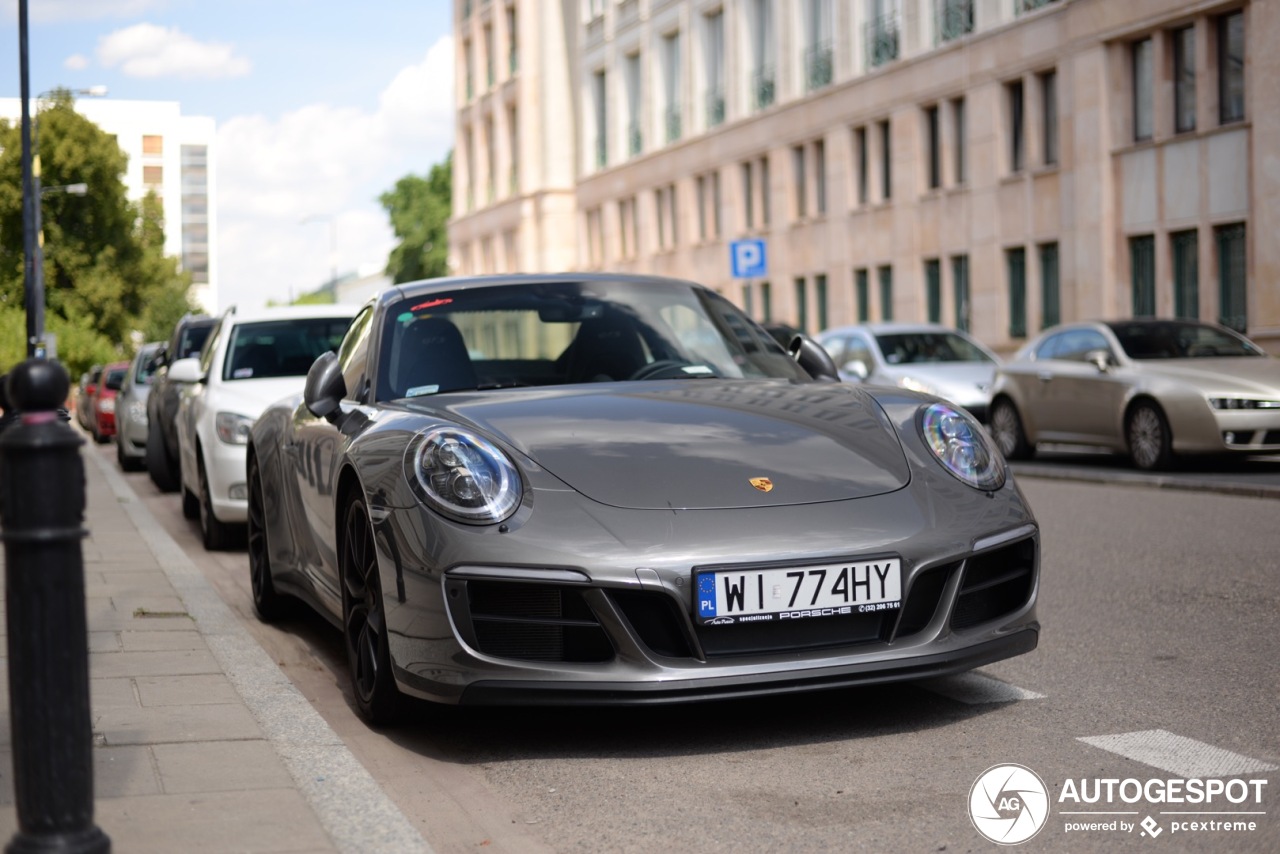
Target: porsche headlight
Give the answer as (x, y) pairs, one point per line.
(464, 477)
(232, 427)
(962, 446)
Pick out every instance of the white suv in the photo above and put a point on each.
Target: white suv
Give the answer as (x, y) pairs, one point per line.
(251, 360)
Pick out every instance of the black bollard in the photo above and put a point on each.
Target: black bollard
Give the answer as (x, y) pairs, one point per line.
(42, 503)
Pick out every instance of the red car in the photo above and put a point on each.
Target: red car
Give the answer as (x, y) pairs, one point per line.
(104, 401)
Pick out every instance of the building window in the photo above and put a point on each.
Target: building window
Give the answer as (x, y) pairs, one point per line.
(960, 289)
(954, 18)
(713, 52)
(1050, 295)
(1017, 135)
(1186, 274)
(932, 143)
(860, 157)
(820, 177)
(1184, 79)
(152, 144)
(671, 86)
(881, 31)
(489, 73)
(513, 57)
(766, 207)
(748, 196)
(886, 292)
(817, 52)
(766, 302)
(467, 63)
(668, 227)
(1232, 301)
(1143, 123)
(152, 176)
(627, 227)
(798, 181)
(601, 95)
(802, 305)
(933, 289)
(635, 134)
(886, 161)
(1049, 115)
(595, 238)
(820, 296)
(862, 294)
(700, 184)
(748, 300)
(762, 56)
(957, 118)
(1016, 260)
(1231, 68)
(708, 189)
(1142, 274)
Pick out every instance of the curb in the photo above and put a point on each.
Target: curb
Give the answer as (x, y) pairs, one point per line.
(353, 810)
(1184, 483)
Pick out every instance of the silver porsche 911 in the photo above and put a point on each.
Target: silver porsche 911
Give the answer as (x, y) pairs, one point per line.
(622, 490)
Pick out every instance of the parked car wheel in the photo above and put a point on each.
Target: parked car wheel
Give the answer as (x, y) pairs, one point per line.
(162, 474)
(216, 535)
(1147, 432)
(364, 621)
(266, 601)
(190, 504)
(127, 463)
(1006, 429)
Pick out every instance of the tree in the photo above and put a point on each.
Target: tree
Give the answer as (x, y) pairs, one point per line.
(105, 273)
(420, 209)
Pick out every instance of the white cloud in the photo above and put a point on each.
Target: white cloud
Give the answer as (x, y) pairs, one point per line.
(329, 163)
(148, 50)
(76, 62)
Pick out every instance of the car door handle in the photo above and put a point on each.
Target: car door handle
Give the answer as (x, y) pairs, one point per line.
(1045, 376)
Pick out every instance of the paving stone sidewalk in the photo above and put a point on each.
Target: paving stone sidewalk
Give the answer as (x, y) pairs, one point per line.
(201, 744)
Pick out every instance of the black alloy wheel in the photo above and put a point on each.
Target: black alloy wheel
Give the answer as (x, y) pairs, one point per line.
(1147, 432)
(1006, 429)
(215, 534)
(364, 621)
(266, 601)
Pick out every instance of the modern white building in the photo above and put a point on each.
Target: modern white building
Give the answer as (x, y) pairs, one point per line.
(1000, 165)
(175, 156)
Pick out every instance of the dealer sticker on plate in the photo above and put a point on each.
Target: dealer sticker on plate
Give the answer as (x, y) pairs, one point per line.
(798, 592)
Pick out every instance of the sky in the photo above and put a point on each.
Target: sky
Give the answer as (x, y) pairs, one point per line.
(321, 106)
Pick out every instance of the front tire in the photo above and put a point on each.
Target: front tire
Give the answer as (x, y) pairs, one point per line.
(364, 624)
(1006, 429)
(266, 601)
(216, 535)
(1147, 432)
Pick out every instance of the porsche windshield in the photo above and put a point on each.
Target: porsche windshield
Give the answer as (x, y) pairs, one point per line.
(1175, 339)
(556, 333)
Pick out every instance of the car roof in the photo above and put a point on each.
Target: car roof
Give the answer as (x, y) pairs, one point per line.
(291, 312)
(429, 286)
(889, 327)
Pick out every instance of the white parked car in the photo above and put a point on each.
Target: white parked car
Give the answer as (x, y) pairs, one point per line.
(924, 357)
(251, 360)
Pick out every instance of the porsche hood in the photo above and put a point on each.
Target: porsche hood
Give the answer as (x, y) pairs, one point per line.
(701, 444)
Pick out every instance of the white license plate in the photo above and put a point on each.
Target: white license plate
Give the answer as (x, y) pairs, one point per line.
(730, 596)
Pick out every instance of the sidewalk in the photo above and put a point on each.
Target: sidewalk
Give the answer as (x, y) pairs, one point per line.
(201, 744)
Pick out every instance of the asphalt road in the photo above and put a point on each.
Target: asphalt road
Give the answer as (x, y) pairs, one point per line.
(1159, 644)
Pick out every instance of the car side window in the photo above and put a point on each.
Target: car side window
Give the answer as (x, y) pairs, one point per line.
(1078, 343)
(353, 355)
(1050, 346)
(857, 350)
(206, 355)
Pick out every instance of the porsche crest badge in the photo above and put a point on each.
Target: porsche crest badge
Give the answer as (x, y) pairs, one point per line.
(762, 483)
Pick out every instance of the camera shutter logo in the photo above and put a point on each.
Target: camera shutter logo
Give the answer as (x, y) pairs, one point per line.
(1008, 804)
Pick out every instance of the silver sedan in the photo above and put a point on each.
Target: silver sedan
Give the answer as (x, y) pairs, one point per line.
(1150, 388)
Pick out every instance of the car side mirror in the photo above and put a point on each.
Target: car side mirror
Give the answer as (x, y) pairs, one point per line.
(186, 371)
(814, 358)
(856, 369)
(1100, 359)
(325, 386)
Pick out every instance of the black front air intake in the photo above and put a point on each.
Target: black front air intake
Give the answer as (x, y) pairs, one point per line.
(995, 584)
(533, 622)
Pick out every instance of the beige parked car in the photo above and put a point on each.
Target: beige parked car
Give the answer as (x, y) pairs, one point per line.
(1150, 388)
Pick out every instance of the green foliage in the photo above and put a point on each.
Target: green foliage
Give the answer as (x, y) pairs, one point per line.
(420, 209)
(106, 277)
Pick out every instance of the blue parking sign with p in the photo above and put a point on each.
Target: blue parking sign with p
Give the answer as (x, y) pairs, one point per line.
(747, 259)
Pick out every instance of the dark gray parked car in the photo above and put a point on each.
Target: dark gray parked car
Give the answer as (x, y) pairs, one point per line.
(187, 340)
(611, 490)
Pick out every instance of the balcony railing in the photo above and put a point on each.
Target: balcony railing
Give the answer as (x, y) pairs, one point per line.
(882, 39)
(635, 139)
(1023, 6)
(817, 65)
(715, 106)
(673, 122)
(762, 87)
(953, 18)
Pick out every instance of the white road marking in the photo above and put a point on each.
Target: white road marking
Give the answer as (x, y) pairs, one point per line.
(1177, 754)
(975, 689)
